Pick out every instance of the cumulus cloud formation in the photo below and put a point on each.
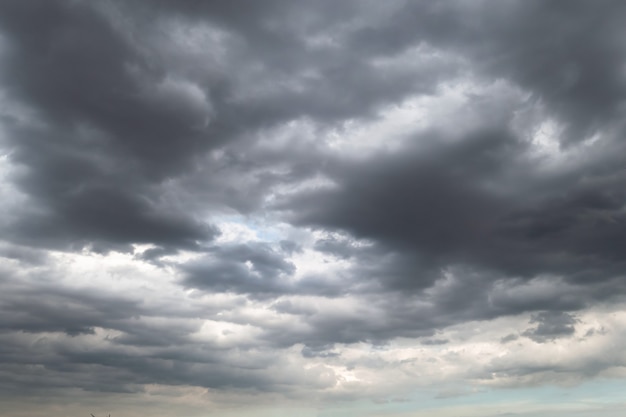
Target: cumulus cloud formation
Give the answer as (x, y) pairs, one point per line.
(229, 205)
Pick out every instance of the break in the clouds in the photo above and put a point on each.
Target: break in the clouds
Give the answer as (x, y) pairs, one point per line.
(330, 208)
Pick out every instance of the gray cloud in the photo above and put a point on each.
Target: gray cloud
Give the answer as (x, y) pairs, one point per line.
(551, 326)
(139, 129)
(251, 268)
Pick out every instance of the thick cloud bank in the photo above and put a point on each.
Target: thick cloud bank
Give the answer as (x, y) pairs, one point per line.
(220, 206)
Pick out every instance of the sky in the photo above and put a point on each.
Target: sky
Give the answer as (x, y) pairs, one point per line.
(352, 208)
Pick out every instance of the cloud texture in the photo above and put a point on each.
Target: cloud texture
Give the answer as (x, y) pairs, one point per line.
(214, 204)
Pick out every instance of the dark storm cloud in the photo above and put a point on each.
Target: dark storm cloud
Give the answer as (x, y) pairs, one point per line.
(568, 54)
(443, 203)
(117, 119)
(260, 271)
(101, 136)
(377, 315)
(551, 326)
(64, 365)
(76, 68)
(345, 85)
(109, 140)
(77, 340)
(433, 201)
(249, 268)
(24, 255)
(123, 131)
(70, 333)
(477, 201)
(35, 306)
(428, 218)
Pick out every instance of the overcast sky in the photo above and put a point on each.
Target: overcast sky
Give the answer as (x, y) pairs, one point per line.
(323, 208)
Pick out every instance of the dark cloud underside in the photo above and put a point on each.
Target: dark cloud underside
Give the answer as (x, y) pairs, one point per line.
(443, 161)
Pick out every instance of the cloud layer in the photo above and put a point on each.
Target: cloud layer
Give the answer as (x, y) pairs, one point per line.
(308, 202)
